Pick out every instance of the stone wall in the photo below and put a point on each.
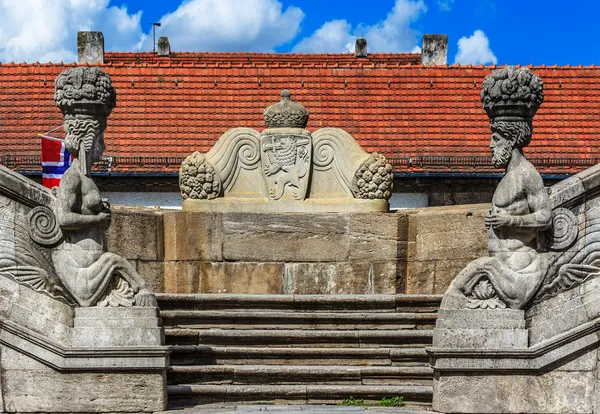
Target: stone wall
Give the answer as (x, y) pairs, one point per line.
(412, 251)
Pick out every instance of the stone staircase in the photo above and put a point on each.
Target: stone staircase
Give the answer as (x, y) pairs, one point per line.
(298, 349)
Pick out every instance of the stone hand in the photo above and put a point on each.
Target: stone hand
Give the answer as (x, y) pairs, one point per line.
(104, 218)
(496, 220)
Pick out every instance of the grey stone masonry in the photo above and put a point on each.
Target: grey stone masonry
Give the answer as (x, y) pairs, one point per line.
(361, 48)
(164, 47)
(90, 47)
(434, 49)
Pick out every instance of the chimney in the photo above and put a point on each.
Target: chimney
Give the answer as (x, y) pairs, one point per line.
(164, 48)
(361, 48)
(90, 47)
(434, 50)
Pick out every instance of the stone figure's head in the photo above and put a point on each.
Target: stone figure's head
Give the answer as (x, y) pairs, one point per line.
(86, 97)
(511, 96)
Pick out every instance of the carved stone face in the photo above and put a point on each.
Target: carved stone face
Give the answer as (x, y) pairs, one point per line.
(501, 150)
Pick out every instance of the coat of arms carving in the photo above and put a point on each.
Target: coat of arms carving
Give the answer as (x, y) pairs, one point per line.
(286, 164)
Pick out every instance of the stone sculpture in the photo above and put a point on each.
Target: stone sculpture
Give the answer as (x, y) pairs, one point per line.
(518, 331)
(286, 168)
(520, 206)
(73, 316)
(91, 275)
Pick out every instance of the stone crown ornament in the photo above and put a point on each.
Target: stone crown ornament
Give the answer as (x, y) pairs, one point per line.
(285, 113)
(85, 91)
(512, 93)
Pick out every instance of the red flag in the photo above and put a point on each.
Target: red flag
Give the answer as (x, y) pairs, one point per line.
(55, 160)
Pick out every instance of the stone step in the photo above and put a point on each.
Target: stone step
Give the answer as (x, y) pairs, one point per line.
(253, 319)
(190, 395)
(209, 355)
(357, 338)
(329, 303)
(295, 374)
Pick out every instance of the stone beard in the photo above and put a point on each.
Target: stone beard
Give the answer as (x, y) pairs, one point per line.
(507, 135)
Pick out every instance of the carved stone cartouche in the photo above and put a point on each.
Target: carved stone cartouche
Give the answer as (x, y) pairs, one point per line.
(286, 163)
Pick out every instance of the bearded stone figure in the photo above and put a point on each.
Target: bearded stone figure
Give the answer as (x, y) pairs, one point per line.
(92, 276)
(521, 208)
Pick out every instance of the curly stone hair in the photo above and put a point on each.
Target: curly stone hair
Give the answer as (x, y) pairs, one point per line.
(518, 132)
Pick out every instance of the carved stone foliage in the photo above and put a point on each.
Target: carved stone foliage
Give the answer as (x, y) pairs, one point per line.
(286, 164)
(285, 161)
(374, 178)
(198, 179)
(23, 258)
(512, 91)
(484, 296)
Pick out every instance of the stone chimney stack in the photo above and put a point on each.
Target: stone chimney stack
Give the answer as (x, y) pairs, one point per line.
(434, 50)
(361, 48)
(90, 47)
(164, 47)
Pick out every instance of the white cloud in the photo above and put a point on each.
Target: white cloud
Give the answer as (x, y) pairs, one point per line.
(445, 5)
(230, 25)
(393, 34)
(475, 50)
(334, 36)
(46, 30)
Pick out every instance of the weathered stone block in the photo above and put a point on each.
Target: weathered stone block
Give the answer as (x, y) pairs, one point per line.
(551, 393)
(449, 233)
(152, 272)
(223, 277)
(342, 278)
(432, 276)
(378, 237)
(285, 237)
(136, 233)
(193, 236)
(34, 387)
(241, 277)
(182, 277)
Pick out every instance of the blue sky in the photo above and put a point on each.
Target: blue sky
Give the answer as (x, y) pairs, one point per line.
(479, 31)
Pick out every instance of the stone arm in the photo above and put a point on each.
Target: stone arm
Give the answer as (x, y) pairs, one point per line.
(541, 211)
(540, 216)
(69, 193)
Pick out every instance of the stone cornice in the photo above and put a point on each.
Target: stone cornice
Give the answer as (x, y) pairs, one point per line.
(539, 358)
(64, 358)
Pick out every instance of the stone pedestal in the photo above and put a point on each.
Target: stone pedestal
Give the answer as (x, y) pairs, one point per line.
(480, 329)
(55, 358)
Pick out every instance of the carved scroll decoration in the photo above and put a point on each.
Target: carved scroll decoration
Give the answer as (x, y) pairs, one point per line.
(328, 145)
(236, 149)
(574, 266)
(564, 230)
(43, 227)
(27, 263)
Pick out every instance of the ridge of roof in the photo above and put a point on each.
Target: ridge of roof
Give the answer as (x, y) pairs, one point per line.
(314, 63)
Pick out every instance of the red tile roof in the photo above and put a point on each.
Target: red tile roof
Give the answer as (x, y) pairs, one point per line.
(424, 119)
